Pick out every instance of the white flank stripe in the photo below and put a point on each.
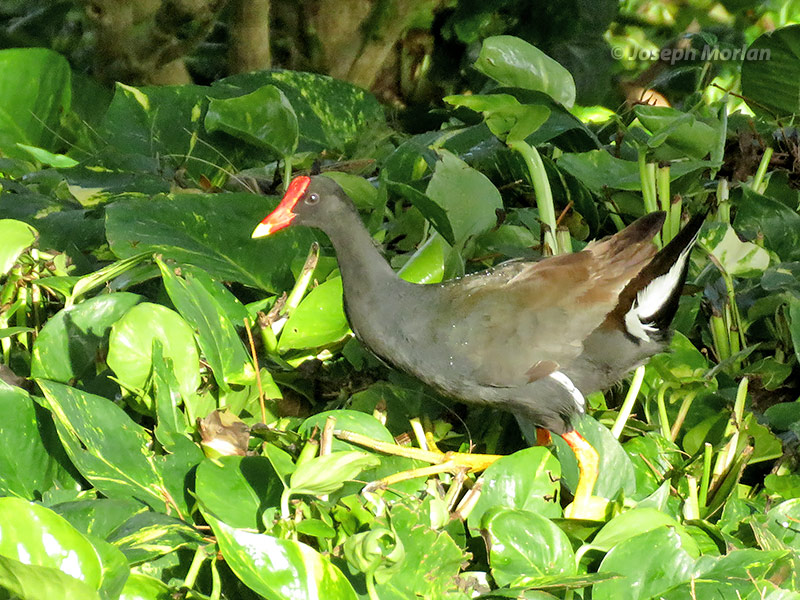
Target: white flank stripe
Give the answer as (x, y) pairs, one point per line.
(567, 384)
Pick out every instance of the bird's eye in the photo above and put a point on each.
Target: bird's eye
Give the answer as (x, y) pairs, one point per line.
(312, 199)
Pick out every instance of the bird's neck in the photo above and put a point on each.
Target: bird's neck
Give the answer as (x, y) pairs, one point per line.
(365, 272)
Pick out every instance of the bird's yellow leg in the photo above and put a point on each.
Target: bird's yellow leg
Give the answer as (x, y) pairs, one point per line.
(584, 505)
(441, 462)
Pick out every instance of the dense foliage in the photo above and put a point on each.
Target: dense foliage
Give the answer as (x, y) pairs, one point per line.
(173, 394)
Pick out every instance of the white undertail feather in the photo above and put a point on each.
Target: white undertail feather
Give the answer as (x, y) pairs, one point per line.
(654, 296)
(567, 384)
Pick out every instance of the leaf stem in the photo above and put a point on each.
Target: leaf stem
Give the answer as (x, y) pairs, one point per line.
(705, 480)
(197, 562)
(759, 185)
(663, 419)
(627, 404)
(541, 187)
(682, 412)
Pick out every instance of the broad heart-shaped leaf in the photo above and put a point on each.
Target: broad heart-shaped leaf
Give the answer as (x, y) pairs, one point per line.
(32, 582)
(432, 559)
(326, 474)
(263, 118)
(598, 170)
(148, 535)
(525, 546)
(738, 258)
(143, 587)
(467, 196)
(27, 467)
(100, 516)
(616, 472)
(637, 521)
(432, 211)
(238, 489)
(31, 114)
(782, 522)
(319, 320)
(69, 343)
(504, 114)
(650, 563)
(514, 62)
(759, 215)
(104, 444)
(771, 72)
(279, 569)
(16, 236)
(686, 132)
(525, 480)
(130, 346)
(210, 232)
(331, 114)
(197, 299)
(38, 536)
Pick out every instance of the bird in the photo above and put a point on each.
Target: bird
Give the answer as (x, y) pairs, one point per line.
(531, 337)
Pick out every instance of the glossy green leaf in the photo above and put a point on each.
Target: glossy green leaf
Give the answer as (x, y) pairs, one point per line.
(505, 116)
(99, 517)
(29, 464)
(326, 474)
(687, 132)
(17, 237)
(31, 114)
(319, 320)
(210, 232)
(38, 536)
(525, 546)
(761, 216)
(279, 569)
(263, 118)
(431, 563)
(782, 522)
(738, 258)
(238, 489)
(429, 208)
(33, 582)
(331, 114)
(650, 563)
(637, 521)
(514, 62)
(426, 265)
(526, 480)
(467, 196)
(144, 587)
(130, 346)
(148, 535)
(104, 444)
(68, 345)
(197, 300)
(771, 72)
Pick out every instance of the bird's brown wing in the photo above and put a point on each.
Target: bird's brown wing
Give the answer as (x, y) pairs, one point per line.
(522, 321)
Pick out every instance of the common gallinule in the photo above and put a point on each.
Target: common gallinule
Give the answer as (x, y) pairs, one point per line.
(529, 337)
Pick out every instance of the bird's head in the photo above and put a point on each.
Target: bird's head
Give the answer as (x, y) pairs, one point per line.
(311, 201)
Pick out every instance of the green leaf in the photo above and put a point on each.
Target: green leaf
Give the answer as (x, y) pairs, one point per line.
(27, 467)
(319, 320)
(760, 216)
(771, 72)
(100, 516)
(210, 232)
(197, 298)
(104, 444)
(326, 474)
(432, 559)
(130, 346)
(31, 114)
(782, 522)
(650, 563)
(738, 258)
(32, 582)
(143, 587)
(279, 569)
(17, 237)
(525, 546)
(331, 114)
(238, 489)
(264, 118)
(59, 161)
(148, 535)
(426, 265)
(505, 116)
(430, 209)
(38, 536)
(687, 132)
(525, 480)
(514, 62)
(68, 345)
(636, 522)
(466, 195)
